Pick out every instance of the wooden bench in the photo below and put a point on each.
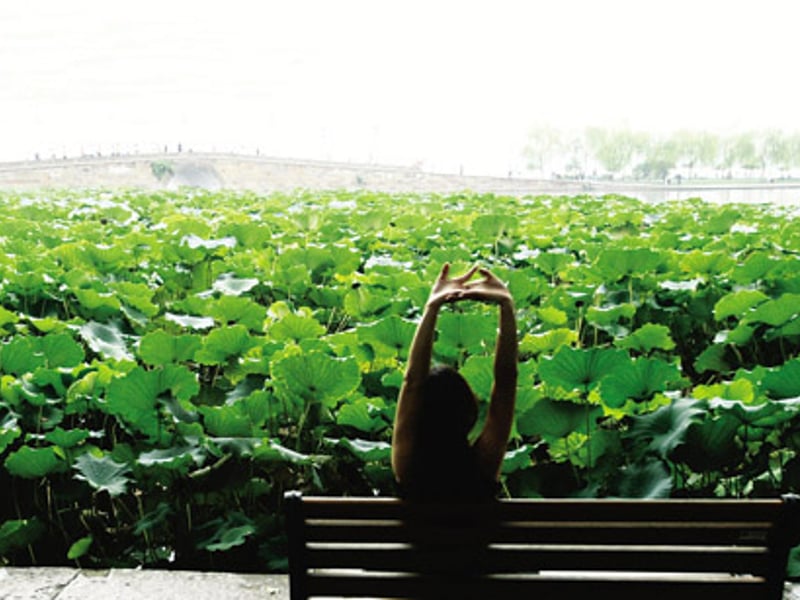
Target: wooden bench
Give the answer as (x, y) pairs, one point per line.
(540, 549)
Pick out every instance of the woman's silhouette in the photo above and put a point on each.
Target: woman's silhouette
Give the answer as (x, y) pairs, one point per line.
(432, 456)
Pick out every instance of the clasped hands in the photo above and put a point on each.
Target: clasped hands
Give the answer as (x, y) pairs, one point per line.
(452, 289)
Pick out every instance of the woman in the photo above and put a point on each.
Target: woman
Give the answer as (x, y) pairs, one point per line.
(432, 457)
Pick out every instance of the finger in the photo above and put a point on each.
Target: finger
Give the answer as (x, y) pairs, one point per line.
(466, 276)
(444, 272)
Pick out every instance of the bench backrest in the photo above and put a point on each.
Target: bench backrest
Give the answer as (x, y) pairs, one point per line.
(540, 549)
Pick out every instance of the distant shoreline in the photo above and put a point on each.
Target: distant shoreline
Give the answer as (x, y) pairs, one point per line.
(274, 174)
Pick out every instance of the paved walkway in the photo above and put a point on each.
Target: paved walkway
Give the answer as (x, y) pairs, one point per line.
(130, 584)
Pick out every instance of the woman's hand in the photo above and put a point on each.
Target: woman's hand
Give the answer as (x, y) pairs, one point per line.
(447, 289)
(488, 289)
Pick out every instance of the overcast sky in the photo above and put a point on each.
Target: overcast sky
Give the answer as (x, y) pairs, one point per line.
(446, 84)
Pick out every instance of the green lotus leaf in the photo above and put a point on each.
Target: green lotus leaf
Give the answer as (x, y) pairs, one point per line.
(136, 295)
(552, 316)
(242, 447)
(365, 450)
(21, 355)
(737, 304)
(179, 380)
(649, 480)
(242, 310)
(296, 327)
(48, 325)
(174, 458)
(363, 414)
(392, 379)
(226, 421)
(223, 343)
(67, 438)
(754, 268)
(190, 322)
(581, 368)
(609, 315)
(741, 335)
(315, 377)
(9, 431)
(647, 338)
(479, 373)
(465, 333)
(80, 547)
(493, 226)
(7, 317)
(776, 312)
(61, 350)
(392, 332)
(739, 389)
(231, 285)
(783, 381)
(105, 256)
(665, 429)
(315, 260)
(195, 242)
(103, 473)
(364, 302)
(767, 414)
(517, 459)
(711, 445)
(706, 263)
(614, 264)
(106, 340)
(228, 533)
(551, 263)
(133, 398)
(714, 359)
(525, 286)
(32, 463)
(792, 328)
(19, 533)
(639, 382)
(275, 452)
(556, 419)
(161, 348)
(549, 341)
(100, 305)
(249, 235)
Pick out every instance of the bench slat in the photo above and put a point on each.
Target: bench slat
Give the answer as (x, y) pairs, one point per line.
(401, 586)
(751, 533)
(544, 558)
(554, 510)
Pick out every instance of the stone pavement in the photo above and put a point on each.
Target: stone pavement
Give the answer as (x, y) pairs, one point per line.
(37, 583)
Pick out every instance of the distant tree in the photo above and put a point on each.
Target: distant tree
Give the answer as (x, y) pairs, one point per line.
(614, 148)
(746, 152)
(695, 149)
(577, 156)
(543, 146)
(777, 150)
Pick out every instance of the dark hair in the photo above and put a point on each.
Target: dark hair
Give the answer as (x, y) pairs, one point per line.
(449, 406)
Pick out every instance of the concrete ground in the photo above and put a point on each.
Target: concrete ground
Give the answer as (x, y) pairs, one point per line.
(130, 584)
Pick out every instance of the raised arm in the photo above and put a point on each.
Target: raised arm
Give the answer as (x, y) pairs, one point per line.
(493, 440)
(419, 363)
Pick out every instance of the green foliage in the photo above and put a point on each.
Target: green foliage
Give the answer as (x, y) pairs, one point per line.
(171, 363)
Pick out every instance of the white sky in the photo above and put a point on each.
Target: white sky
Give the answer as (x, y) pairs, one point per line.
(450, 84)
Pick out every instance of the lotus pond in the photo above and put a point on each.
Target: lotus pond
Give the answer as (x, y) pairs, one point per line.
(172, 362)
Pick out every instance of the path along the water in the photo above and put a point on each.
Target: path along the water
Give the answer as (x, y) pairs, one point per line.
(131, 584)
